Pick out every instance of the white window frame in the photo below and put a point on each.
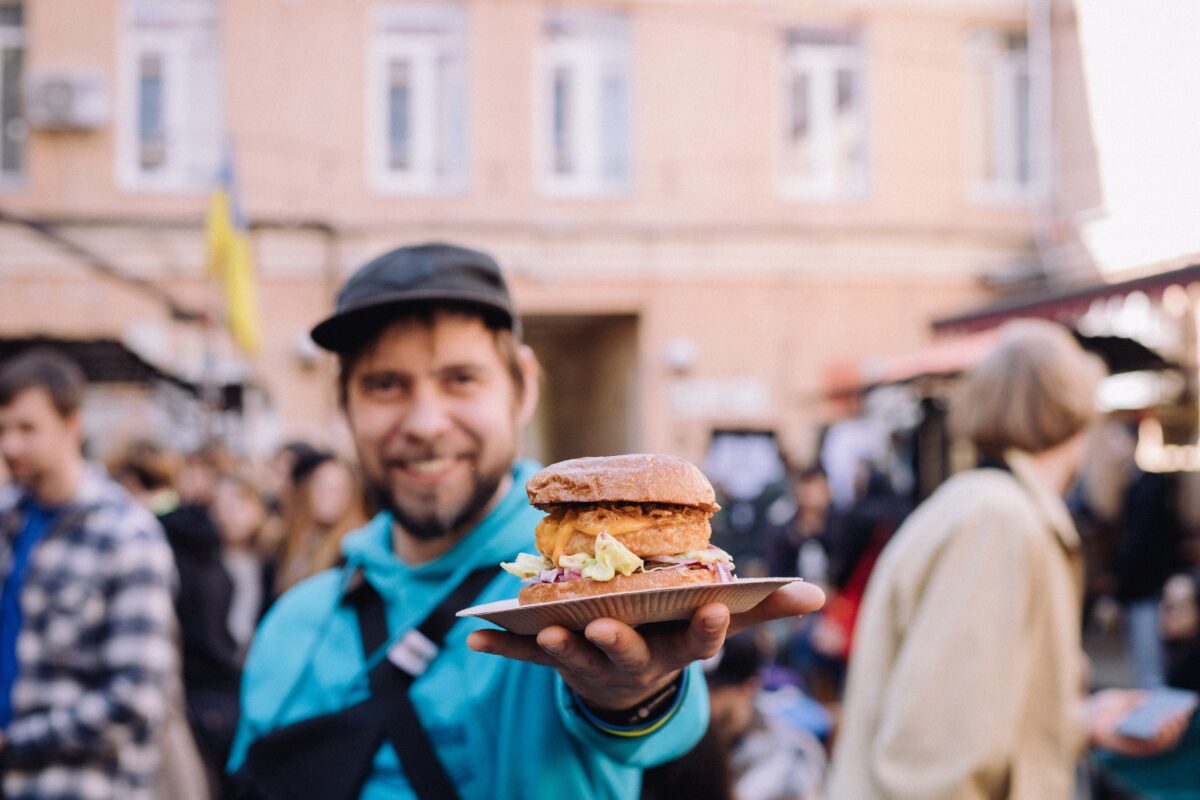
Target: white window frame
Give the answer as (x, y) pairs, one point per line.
(420, 34)
(183, 33)
(591, 56)
(13, 37)
(822, 61)
(1003, 67)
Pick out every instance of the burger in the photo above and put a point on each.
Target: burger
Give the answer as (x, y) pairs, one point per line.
(619, 524)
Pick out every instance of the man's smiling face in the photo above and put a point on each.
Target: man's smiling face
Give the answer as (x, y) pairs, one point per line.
(435, 416)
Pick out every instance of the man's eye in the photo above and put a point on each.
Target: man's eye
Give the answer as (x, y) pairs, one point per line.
(461, 378)
(382, 384)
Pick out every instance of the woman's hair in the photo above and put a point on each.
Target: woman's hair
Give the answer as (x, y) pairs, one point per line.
(147, 464)
(1034, 391)
(307, 548)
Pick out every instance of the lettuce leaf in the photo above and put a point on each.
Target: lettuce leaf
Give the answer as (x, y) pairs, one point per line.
(611, 558)
(527, 566)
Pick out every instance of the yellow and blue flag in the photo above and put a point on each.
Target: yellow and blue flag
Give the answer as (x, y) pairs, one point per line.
(230, 261)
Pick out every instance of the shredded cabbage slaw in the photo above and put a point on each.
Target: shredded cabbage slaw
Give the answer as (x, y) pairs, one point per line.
(613, 558)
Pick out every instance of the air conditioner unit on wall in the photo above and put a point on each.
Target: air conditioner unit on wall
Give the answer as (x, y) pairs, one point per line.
(66, 99)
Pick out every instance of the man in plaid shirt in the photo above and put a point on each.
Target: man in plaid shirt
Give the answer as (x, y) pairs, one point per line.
(86, 616)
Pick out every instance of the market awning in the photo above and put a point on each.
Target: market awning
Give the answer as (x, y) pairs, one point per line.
(109, 361)
(954, 355)
(1064, 305)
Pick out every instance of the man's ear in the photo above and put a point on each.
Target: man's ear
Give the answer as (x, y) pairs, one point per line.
(527, 402)
(73, 422)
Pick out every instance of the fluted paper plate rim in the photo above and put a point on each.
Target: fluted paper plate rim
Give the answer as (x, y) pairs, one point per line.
(635, 608)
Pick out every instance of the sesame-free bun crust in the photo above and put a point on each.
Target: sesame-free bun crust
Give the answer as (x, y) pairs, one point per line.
(586, 587)
(637, 478)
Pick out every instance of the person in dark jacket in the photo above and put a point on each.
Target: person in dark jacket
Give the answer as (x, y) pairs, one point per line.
(798, 532)
(1180, 614)
(211, 669)
(1149, 553)
(867, 526)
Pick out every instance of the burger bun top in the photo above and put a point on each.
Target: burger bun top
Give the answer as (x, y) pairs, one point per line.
(636, 478)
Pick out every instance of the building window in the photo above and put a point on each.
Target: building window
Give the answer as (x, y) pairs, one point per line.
(12, 118)
(824, 116)
(999, 117)
(417, 99)
(584, 103)
(170, 126)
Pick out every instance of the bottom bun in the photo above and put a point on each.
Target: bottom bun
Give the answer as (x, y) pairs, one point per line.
(586, 587)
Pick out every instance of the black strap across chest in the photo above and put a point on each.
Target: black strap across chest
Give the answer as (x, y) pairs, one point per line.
(331, 756)
(391, 679)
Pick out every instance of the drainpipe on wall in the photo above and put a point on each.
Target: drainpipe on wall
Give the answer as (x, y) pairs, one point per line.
(1039, 27)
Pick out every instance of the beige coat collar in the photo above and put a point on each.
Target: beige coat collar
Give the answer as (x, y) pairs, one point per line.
(1048, 502)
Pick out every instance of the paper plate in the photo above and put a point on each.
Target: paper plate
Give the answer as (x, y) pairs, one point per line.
(633, 608)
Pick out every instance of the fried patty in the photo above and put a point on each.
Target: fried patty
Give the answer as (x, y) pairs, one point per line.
(646, 529)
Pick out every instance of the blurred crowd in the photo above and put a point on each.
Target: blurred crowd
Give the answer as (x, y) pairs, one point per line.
(240, 534)
(1141, 591)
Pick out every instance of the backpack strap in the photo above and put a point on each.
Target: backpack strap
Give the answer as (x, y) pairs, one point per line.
(407, 659)
(331, 755)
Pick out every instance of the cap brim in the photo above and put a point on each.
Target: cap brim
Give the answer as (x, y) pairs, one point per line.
(348, 329)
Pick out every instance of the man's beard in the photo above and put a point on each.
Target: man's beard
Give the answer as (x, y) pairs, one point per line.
(434, 526)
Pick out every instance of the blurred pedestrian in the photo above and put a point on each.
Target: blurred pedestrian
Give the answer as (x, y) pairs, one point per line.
(1148, 552)
(968, 674)
(797, 532)
(278, 488)
(800, 526)
(769, 760)
(198, 475)
(702, 773)
(1180, 621)
(227, 608)
(1174, 774)
(240, 513)
(147, 470)
(278, 483)
(867, 526)
(861, 534)
(326, 504)
(87, 655)
(211, 661)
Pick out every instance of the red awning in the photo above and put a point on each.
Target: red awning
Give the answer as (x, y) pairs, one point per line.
(948, 356)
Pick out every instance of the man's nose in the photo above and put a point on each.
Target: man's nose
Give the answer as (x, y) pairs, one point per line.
(427, 417)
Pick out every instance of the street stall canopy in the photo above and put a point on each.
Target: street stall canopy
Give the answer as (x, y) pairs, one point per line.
(108, 361)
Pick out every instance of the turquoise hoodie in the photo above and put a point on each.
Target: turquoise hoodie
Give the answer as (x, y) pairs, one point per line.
(503, 728)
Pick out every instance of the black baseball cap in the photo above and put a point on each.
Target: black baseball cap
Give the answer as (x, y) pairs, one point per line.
(442, 275)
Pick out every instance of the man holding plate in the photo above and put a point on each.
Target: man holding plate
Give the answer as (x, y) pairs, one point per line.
(360, 681)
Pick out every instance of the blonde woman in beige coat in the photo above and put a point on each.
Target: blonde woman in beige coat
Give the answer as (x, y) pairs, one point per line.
(968, 676)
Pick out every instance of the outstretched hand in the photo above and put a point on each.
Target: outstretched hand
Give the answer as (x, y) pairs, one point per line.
(613, 666)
